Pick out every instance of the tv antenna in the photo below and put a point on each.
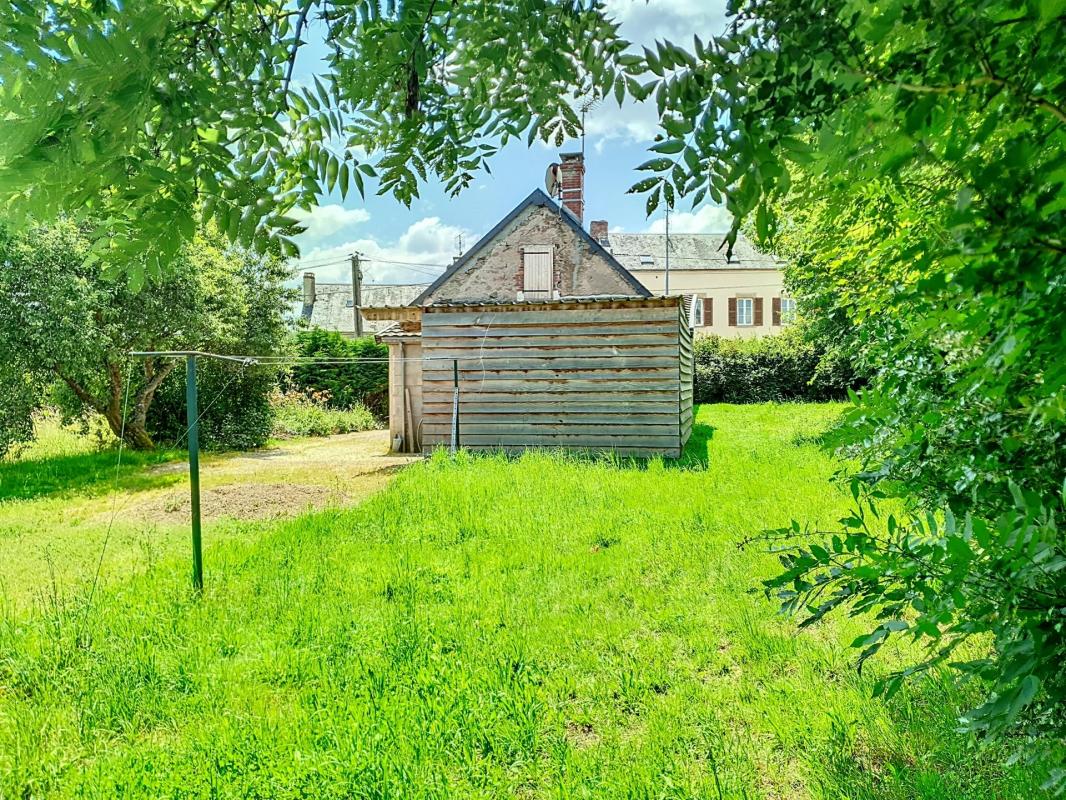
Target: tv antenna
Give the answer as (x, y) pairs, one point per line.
(588, 104)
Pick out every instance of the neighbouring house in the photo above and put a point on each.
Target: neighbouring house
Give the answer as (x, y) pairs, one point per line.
(742, 295)
(331, 305)
(539, 337)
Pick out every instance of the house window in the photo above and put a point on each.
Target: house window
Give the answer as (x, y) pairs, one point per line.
(537, 271)
(647, 261)
(745, 311)
(697, 312)
(788, 309)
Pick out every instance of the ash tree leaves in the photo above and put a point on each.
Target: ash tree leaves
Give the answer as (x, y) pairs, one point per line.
(159, 117)
(909, 159)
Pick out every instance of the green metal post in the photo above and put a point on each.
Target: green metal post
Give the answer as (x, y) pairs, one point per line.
(193, 415)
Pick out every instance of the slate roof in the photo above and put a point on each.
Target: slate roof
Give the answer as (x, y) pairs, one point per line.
(535, 198)
(332, 310)
(688, 251)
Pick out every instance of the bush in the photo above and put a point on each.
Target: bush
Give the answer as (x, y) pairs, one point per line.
(298, 414)
(235, 408)
(345, 385)
(769, 369)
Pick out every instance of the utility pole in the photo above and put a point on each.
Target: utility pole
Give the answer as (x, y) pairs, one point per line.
(667, 292)
(357, 300)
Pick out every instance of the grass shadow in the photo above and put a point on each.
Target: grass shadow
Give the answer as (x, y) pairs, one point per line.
(697, 448)
(84, 473)
(694, 456)
(928, 757)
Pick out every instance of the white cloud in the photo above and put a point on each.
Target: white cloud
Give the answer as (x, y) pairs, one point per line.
(325, 222)
(635, 122)
(707, 219)
(427, 247)
(644, 22)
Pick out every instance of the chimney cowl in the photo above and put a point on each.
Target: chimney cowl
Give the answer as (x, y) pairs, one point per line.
(572, 185)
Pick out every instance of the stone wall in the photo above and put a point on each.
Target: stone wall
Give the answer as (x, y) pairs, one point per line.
(495, 273)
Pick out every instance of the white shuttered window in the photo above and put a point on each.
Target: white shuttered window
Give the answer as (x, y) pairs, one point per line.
(537, 273)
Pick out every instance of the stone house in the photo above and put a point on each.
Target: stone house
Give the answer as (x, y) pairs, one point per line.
(539, 336)
(331, 305)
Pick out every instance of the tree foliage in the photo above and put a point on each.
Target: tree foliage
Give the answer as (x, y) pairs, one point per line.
(62, 323)
(164, 115)
(910, 157)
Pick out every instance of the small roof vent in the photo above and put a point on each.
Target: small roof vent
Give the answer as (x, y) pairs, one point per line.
(647, 260)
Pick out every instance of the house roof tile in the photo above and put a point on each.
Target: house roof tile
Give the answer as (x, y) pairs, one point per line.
(332, 308)
(688, 251)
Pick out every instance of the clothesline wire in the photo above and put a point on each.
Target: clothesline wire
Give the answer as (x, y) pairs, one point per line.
(273, 361)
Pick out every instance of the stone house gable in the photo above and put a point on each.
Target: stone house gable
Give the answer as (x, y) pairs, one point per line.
(538, 251)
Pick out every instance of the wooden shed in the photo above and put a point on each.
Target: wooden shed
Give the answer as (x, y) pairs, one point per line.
(581, 373)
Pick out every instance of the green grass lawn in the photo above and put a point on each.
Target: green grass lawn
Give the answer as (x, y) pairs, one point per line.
(539, 627)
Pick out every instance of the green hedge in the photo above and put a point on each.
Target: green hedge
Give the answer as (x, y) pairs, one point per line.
(347, 385)
(769, 369)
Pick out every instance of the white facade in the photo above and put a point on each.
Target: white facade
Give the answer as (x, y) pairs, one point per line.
(740, 293)
(716, 288)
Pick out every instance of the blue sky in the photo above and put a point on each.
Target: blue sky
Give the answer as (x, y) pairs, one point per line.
(427, 233)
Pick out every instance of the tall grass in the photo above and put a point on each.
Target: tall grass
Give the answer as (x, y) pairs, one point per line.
(545, 626)
(300, 414)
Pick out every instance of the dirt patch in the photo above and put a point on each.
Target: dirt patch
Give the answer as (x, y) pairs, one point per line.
(581, 735)
(239, 501)
(281, 481)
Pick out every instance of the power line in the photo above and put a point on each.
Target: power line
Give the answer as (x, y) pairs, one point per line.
(317, 264)
(393, 284)
(409, 263)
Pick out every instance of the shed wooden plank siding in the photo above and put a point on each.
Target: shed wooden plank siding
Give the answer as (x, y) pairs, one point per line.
(603, 375)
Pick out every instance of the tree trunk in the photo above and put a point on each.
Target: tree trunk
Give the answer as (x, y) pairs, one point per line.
(153, 378)
(134, 432)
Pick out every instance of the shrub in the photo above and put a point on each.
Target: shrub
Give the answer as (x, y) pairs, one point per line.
(769, 369)
(345, 385)
(235, 408)
(299, 414)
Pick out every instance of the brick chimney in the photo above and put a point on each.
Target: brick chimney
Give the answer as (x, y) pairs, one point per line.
(572, 191)
(598, 230)
(309, 288)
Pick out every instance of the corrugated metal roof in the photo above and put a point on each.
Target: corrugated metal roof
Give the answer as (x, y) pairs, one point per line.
(688, 251)
(332, 308)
